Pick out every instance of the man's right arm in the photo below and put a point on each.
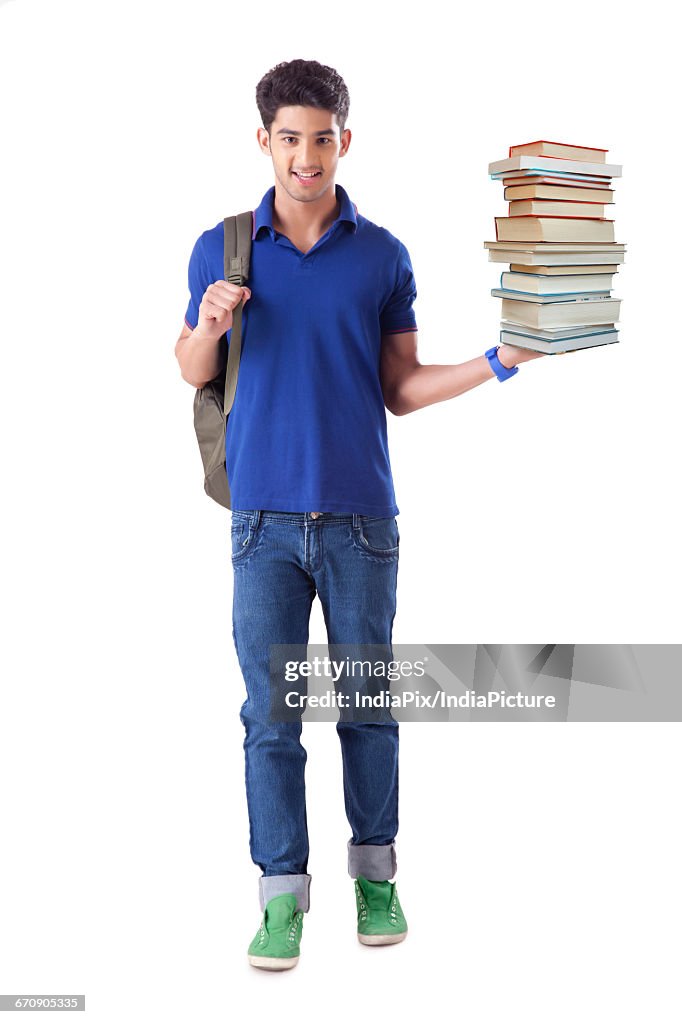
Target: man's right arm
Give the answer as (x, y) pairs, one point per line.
(198, 350)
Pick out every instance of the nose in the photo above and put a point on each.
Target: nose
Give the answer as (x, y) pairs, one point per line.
(307, 156)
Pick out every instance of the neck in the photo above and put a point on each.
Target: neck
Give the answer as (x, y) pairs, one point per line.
(299, 218)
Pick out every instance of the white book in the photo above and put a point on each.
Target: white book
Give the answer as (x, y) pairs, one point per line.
(570, 179)
(552, 284)
(555, 259)
(568, 297)
(528, 246)
(552, 163)
(558, 334)
(573, 344)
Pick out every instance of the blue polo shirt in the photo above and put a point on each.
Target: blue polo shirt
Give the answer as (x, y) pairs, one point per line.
(307, 431)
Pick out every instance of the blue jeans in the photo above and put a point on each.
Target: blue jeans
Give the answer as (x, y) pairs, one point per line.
(280, 561)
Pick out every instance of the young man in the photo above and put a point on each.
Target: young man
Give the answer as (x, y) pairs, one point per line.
(329, 341)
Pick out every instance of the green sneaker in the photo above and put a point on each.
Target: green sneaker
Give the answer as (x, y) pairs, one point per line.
(380, 917)
(276, 945)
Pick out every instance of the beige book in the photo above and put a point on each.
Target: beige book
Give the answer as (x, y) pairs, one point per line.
(555, 208)
(561, 314)
(553, 229)
(551, 284)
(581, 195)
(560, 149)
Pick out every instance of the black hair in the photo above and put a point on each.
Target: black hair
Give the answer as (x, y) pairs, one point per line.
(302, 83)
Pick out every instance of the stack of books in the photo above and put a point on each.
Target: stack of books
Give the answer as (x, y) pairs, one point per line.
(559, 243)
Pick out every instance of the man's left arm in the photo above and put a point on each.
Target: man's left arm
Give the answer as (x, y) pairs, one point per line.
(407, 385)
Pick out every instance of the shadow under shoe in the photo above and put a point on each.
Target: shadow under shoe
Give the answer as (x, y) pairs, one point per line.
(276, 944)
(381, 921)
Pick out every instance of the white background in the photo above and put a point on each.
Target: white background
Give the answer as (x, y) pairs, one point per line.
(538, 866)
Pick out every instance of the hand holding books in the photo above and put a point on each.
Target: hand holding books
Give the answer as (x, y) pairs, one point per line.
(511, 355)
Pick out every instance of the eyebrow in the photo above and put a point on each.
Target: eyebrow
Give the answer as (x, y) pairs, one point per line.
(290, 131)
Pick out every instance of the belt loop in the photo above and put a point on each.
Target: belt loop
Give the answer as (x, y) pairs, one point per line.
(255, 519)
(356, 520)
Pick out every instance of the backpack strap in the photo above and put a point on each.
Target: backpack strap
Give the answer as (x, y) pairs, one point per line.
(237, 264)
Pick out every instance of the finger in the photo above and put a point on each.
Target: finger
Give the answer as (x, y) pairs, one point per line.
(226, 295)
(214, 310)
(227, 300)
(224, 289)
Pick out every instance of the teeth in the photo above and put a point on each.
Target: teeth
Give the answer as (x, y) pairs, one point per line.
(300, 175)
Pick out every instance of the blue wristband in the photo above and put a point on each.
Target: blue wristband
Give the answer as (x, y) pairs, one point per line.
(500, 371)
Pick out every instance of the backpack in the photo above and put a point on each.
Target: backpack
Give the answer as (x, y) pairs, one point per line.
(213, 402)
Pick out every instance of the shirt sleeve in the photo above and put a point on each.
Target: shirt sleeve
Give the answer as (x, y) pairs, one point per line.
(197, 281)
(397, 314)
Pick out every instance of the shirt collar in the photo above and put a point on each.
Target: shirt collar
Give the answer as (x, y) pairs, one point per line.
(262, 216)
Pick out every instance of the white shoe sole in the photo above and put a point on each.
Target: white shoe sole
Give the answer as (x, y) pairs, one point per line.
(273, 963)
(381, 940)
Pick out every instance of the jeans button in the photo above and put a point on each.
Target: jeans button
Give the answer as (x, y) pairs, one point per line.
(314, 515)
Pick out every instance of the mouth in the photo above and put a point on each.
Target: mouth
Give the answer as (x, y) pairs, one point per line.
(307, 179)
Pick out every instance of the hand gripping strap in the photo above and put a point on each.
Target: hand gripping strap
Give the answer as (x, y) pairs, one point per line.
(236, 267)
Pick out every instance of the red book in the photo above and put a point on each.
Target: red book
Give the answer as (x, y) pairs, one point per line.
(559, 151)
(547, 179)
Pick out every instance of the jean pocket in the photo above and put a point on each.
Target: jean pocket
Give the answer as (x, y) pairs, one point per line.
(243, 538)
(377, 536)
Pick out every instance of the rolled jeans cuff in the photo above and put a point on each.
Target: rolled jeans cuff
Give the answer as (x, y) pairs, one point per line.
(270, 886)
(375, 863)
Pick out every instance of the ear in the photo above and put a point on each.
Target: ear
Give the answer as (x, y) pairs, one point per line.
(346, 136)
(263, 141)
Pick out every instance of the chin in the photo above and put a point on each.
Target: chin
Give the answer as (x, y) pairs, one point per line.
(301, 192)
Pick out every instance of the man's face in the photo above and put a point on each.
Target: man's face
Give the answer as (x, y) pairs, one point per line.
(305, 145)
